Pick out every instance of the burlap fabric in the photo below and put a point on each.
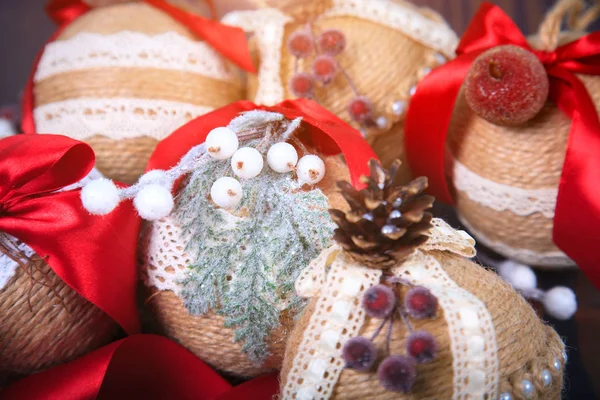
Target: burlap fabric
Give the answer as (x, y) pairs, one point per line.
(526, 157)
(383, 63)
(525, 344)
(206, 336)
(123, 155)
(45, 322)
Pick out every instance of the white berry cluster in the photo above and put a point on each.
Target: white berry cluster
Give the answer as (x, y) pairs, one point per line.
(247, 163)
(152, 196)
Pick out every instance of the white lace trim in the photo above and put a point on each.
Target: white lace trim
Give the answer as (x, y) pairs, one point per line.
(117, 118)
(526, 256)
(433, 34)
(8, 266)
(164, 259)
(337, 318)
(167, 51)
(501, 197)
(268, 25)
(470, 327)
(318, 361)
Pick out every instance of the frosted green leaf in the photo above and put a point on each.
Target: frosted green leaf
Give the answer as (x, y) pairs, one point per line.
(245, 262)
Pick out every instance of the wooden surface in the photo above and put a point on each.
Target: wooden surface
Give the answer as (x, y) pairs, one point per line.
(24, 28)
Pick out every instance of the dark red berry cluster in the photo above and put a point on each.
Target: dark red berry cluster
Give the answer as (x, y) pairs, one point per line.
(395, 372)
(324, 69)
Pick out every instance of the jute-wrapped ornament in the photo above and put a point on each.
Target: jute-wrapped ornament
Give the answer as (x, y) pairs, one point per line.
(124, 75)
(361, 59)
(250, 213)
(397, 311)
(56, 292)
(521, 159)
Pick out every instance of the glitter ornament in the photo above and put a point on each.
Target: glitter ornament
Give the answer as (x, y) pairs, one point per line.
(332, 42)
(300, 44)
(302, 85)
(282, 157)
(324, 68)
(226, 192)
(221, 143)
(247, 162)
(379, 301)
(397, 373)
(310, 169)
(360, 354)
(360, 109)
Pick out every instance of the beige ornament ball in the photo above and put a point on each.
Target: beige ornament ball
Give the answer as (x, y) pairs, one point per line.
(44, 321)
(506, 177)
(360, 59)
(123, 76)
(404, 314)
(208, 265)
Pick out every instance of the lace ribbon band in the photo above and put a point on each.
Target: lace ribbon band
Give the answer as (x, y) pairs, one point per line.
(501, 197)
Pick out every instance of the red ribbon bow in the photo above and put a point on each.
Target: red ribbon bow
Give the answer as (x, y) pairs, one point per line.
(56, 226)
(327, 132)
(229, 41)
(577, 216)
(138, 367)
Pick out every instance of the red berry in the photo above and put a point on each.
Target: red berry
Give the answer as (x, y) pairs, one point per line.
(300, 44)
(379, 301)
(422, 346)
(359, 353)
(507, 85)
(397, 373)
(332, 42)
(324, 68)
(360, 109)
(302, 85)
(420, 303)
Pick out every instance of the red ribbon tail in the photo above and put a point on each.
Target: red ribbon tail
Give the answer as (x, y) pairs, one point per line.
(230, 41)
(577, 215)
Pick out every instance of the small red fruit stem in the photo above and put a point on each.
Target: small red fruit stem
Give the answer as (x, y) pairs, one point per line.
(378, 330)
(388, 338)
(404, 317)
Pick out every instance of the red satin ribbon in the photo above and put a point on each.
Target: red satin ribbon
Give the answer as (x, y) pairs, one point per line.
(577, 216)
(138, 367)
(56, 226)
(328, 133)
(229, 41)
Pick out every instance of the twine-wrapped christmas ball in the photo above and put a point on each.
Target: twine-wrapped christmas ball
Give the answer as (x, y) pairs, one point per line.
(397, 311)
(250, 212)
(360, 59)
(123, 76)
(507, 175)
(54, 281)
(44, 321)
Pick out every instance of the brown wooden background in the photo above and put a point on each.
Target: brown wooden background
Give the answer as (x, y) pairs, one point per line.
(24, 28)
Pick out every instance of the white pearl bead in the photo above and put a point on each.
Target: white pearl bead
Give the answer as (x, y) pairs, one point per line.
(527, 388)
(381, 122)
(221, 143)
(153, 202)
(247, 162)
(399, 107)
(546, 377)
(556, 364)
(282, 157)
(505, 396)
(310, 169)
(226, 192)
